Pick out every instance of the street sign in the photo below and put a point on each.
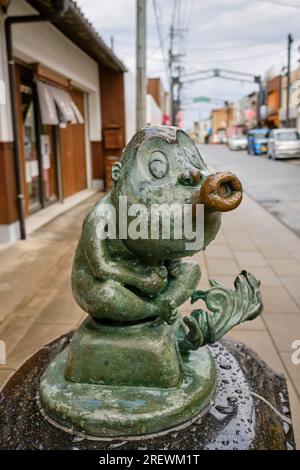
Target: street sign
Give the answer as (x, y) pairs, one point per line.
(201, 99)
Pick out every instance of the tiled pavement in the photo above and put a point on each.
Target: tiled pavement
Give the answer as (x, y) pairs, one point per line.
(36, 304)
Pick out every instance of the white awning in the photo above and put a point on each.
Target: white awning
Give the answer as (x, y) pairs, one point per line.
(47, 104)
(77, 112)
(57, 106)
(63, 101)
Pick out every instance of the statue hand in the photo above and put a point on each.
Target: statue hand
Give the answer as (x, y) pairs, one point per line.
(168, 311)
(153, 281)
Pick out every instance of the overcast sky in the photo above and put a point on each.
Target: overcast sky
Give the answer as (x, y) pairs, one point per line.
(242, 35)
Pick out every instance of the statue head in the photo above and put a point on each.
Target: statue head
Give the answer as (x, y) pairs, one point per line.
(162, 165)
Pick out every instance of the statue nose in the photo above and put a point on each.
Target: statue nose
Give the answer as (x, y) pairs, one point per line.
(221, 192)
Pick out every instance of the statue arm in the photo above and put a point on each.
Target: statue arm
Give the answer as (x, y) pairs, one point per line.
(149, 280)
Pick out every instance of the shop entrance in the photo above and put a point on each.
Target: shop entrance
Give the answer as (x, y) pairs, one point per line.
(51, 122)
(37, 147)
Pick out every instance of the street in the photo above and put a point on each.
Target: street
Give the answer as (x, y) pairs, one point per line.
(273, 184)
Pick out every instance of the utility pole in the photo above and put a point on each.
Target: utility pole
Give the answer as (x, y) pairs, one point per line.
(288, 79)
(226, 104)
(257, 80)
(175, 79)
(141, 79)
(172, 110)
(175, 69)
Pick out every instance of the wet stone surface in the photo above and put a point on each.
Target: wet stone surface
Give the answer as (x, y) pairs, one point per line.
(251, 409)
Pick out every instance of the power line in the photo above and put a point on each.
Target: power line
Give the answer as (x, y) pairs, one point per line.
(174, 13)
(185, 13)
(178, 14)
(236, 47)
(284, 4)
(171, 58)
(235, 59)
(186, 18)
(189, 16)
(153, 50)
(161, 41)
(179, 20)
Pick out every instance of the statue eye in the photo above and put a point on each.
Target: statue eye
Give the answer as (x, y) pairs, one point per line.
(158, 164)
(193, 157)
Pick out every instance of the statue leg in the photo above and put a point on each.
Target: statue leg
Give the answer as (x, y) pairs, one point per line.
(110, 300)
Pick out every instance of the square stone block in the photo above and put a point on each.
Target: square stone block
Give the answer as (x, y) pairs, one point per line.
(133, 355)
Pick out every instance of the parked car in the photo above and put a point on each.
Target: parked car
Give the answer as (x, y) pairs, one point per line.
(258, 141)
(219, 137)
(222, 136)
(238, 142)
(284, 143)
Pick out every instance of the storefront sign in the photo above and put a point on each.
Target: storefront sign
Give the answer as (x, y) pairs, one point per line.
(45, 151)
(34, 168)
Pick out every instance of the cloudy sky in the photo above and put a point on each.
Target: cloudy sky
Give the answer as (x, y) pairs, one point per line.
(242, 35)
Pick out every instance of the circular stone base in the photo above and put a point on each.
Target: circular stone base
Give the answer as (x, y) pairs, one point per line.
(118, 411)
(250, 409)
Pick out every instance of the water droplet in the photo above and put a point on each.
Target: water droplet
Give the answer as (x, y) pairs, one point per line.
(78, 439)
(286, 428)
(225, 366)
(232, 399)
(225, 410)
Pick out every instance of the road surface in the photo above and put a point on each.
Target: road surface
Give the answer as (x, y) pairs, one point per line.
(273, 184)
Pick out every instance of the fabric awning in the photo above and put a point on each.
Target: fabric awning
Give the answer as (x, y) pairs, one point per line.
(47, 104)
(63, 102)
(57, 106)
(77, 112)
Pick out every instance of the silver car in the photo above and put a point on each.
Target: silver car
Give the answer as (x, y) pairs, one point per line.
(284, 143)
(238, 142)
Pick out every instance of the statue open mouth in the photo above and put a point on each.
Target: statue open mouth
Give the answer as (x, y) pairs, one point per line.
(221, 192)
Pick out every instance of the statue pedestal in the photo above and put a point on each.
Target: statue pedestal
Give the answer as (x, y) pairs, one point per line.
(250, 409)
(127, 380)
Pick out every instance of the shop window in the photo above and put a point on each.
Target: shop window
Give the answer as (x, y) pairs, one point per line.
(32, 172)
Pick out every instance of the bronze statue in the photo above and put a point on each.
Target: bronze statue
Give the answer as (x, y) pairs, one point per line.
(135, 366)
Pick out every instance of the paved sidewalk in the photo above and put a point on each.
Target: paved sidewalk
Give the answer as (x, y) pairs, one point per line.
(36, 303)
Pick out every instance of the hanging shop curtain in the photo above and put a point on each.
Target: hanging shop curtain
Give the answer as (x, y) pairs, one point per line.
(63, 102)
(57, 106)
(77, 112)
(47, 104)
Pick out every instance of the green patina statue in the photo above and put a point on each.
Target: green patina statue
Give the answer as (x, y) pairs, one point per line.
(135, 366)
